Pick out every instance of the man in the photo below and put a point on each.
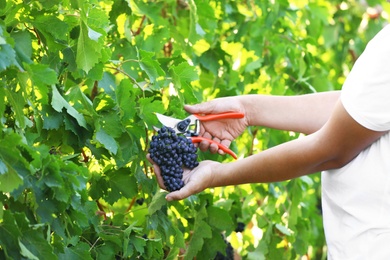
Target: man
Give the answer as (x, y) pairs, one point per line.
(347, 138)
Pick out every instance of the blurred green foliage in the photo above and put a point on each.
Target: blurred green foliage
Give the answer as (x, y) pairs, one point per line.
(80, 82)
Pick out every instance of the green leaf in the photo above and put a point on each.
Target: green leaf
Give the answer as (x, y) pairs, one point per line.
(138, 243)
(158, 201)
(107, 141)
(195, 30)
(121, 184)
(125, 100)
(17, 102)
(26, 253)
(51, 118)
(10, 180)
(3, 167)
(141, 8)
(184, 72)
(7, 57)
(9, 234)
(59, 103)
(219, 218)
(201, 231)
(88, 49)
(112, 124)
(41, 75)
(148, 108)
(283, 229)
(151, 67)
(23, 46)
(182, 75)
(79, 252)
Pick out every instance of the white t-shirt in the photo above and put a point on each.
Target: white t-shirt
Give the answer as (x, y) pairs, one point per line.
(356, 197)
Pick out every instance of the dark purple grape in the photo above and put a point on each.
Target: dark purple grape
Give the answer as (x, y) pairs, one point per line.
(172, 152)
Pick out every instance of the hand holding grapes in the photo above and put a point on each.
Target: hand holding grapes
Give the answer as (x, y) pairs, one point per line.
(196, 180)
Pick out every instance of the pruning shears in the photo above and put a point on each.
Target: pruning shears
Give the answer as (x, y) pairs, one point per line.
(190, 126)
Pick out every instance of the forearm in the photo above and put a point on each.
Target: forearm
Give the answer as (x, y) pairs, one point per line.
(304, 113)
(283, 162)
(338, 141)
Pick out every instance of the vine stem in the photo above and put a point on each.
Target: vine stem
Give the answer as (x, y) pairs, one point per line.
(85, 157)
(126, 74)
(102, 211)
(146, 149)
(131, 204)
(139, 27)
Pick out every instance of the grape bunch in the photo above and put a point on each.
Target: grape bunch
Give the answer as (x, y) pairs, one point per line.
(172, 152)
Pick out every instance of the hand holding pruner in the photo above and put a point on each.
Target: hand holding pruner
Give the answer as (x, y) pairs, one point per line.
(190, 126)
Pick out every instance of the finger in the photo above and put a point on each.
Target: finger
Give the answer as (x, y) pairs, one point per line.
(226, 142)
(213, 146)
(157, 172)
(159, 178)
(150, 159)
(179, 194)
(204, 145)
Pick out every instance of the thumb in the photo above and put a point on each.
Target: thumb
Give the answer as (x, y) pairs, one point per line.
(202, 108)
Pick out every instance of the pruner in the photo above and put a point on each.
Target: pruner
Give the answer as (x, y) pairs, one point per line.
(190, 126)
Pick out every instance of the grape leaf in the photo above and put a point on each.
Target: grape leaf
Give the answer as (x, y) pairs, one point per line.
(9, 234)
(201, 230)
(151, 67)
(10, 180)
(23, 46)
(182, 75)
(7, 57)
(16, 100)
(125, 100)
(3, 167)
(157, 202)
(79, 252)
(34, 246)
(88, 50)
(219, 218)
(107, 141)
(51, 118)
(148, 108)
(59, 103)
(283, 229)
(41, 75)
(140, 8)
(121, 184)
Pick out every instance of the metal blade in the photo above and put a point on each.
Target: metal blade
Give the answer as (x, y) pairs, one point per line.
(167, 120)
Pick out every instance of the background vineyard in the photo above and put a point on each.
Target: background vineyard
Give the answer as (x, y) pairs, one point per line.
(80, 82)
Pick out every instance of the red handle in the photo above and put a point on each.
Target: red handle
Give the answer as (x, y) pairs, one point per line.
(226, 115)
(198, 139)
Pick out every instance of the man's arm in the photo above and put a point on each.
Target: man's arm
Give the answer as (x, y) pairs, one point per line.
(304, 113)
(338, 141)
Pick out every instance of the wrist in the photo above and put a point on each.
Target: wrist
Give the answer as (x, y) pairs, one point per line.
(247, 106)
(216, 170)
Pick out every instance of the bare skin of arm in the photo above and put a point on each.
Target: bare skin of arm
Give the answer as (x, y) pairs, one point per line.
(336, 143)
(305, 114)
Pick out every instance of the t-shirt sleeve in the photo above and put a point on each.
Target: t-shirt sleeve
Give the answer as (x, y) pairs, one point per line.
(366, 91)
